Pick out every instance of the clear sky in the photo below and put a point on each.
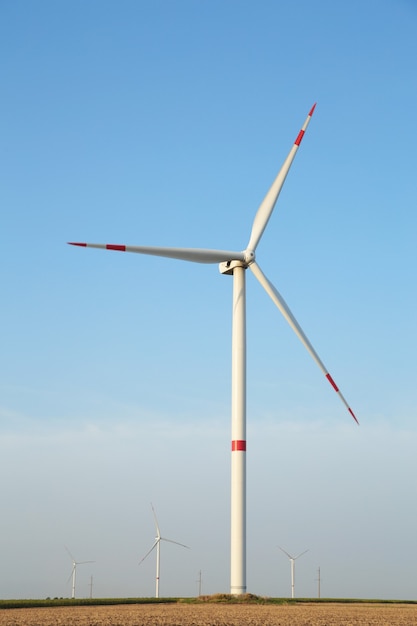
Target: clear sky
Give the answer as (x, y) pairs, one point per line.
(162, 122)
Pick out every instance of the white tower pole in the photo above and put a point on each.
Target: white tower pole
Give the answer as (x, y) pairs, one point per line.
(157, 568)
(238, 464)
(74, 572)
(292, 576)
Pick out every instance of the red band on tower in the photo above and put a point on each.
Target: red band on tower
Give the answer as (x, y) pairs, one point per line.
(238, 445)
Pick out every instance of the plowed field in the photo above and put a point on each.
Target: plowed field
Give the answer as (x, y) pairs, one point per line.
(215, 615)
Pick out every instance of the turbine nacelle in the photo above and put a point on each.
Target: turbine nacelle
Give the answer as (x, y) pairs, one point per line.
(227, 267)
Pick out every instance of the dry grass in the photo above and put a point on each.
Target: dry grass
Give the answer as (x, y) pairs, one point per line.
(215, 615)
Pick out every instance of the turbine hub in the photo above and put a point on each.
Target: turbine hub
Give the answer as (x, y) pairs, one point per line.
(249, 256)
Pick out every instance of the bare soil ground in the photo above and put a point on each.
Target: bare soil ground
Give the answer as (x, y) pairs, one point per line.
(215, 615)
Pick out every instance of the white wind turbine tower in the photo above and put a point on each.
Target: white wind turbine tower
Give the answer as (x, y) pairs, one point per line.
(292, 561)
(156, 545)
(73, 574)
(236, 263)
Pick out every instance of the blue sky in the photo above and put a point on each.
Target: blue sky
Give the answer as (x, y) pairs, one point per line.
(164, 123)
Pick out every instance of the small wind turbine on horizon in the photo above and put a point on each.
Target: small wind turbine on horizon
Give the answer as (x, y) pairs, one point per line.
(292, 560)
(235, 263)
(156, 545)
(200, 583)
(73, 574)
(319, 583)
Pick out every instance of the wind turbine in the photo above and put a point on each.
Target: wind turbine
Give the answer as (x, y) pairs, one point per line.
(292, 560)
(73, 574)
(156, 545)
(236, 263)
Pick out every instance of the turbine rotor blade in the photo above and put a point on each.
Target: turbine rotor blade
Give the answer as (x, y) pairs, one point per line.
(70, 576)
(177, 542)
(301, 554)
(72, 558)
(158, 532)
(283, 307)
(285, 552)
(267, 206)
(148, 553)
(196, 255)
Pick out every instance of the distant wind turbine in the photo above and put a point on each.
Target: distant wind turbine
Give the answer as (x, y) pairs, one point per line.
(73, 574)
(200, 582)
(319, 584)
(236, 263)
(156, 545)
(292, 560)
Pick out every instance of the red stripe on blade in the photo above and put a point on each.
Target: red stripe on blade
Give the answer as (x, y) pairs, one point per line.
(238, 445)
(353, 415)
(312, 109)
(73, 243)
(112, 246)
(331, 381)
(299, 138)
